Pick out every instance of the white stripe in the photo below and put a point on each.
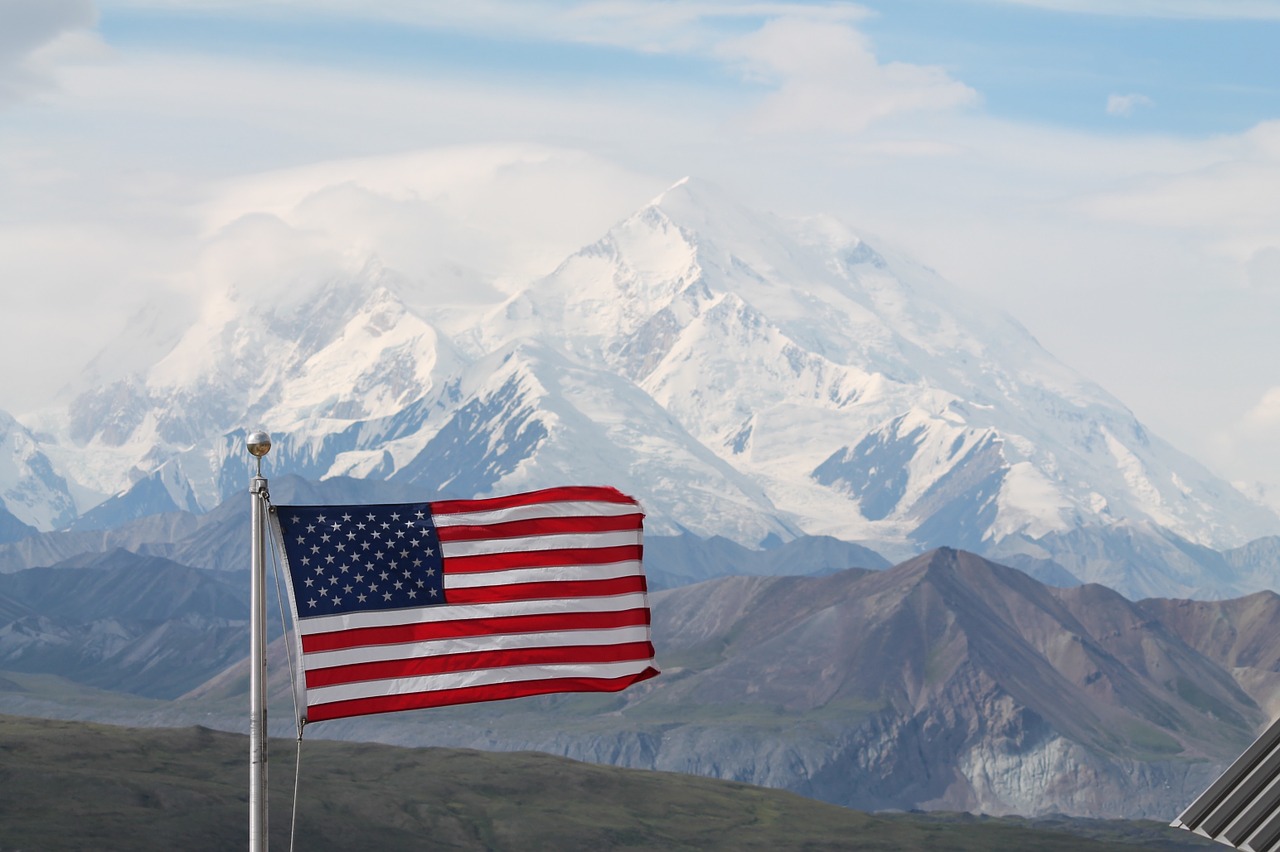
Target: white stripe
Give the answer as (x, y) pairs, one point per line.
(607, 571)
(499, 642)
(432, 614)
(562, 509)
(480, 677)
(562, 541)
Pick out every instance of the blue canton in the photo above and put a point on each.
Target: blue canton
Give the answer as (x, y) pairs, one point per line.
(360, 558)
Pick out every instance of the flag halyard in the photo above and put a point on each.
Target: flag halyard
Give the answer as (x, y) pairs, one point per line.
(428, 604)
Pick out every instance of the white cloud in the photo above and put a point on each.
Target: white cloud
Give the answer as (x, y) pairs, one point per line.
(1124, 105)
(509, 212)
(1265, 415)
(1248, 445)
(825, 77)
(1263, 268)
(29, 33)
(1229, 203)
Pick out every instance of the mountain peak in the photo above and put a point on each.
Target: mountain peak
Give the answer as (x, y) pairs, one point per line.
(747, 375)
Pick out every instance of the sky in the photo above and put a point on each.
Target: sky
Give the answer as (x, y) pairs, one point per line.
(1106, 171)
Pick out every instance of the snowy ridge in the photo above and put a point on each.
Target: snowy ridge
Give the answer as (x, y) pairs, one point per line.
(742, 375)
(30, 488)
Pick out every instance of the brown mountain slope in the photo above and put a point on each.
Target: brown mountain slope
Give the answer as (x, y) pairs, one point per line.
(945, 682)
(1239, 635)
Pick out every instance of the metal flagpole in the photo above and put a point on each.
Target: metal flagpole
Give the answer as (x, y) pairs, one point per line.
(259, 444)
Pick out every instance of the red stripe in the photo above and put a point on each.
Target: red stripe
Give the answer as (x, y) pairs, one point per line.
(466, 695)
(548, 590)
(415, 666)
(542, 526)
(542, 558)
(401, 633)
(602, 494)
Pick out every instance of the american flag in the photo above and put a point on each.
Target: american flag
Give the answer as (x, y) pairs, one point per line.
(450, 602)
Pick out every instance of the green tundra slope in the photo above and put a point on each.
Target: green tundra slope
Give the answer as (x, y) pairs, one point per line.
(72, 785)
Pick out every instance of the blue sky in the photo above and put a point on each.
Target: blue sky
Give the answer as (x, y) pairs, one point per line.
(1201, 73)
(1107, 172)
(1045, 65)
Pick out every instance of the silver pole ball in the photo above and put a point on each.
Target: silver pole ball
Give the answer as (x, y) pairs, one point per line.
(259, 443)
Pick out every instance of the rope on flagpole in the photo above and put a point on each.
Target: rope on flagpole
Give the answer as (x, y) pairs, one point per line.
(284, 625)
(297, 773)
(293, 677)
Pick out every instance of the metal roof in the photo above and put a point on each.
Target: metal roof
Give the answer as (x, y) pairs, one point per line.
(1242, 807)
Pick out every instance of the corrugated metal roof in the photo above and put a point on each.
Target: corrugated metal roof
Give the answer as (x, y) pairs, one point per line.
(1242, 807)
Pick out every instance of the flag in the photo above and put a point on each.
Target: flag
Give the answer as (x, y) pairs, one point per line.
(413, 605)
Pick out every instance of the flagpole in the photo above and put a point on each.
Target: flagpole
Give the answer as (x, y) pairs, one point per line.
(258, 444)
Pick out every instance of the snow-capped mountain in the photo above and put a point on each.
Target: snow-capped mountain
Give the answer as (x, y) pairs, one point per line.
(743, 375)
(32, 494)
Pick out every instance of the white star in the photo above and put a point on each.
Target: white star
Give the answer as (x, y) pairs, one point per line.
(395, 516)
(346, 516)
(435, 593)
(311, 602)
(309, 581)
(386, 596)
